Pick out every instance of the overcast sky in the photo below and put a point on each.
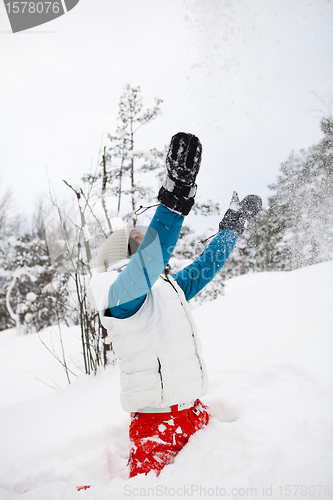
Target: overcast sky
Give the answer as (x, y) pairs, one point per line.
(237, 73)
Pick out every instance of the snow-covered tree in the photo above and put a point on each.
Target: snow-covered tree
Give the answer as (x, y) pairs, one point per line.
(35, 295)
(297, 229)
(6, 204)
(124, 165)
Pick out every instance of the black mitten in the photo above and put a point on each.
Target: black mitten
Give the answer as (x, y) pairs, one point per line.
(182, 163)
(239, 212)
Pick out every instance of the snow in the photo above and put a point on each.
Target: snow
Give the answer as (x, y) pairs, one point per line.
(27, 369)
(31, 296)
(268, 346)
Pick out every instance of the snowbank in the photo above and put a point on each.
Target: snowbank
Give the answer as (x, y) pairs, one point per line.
(270, 318)
(268, 344)
(28, 369)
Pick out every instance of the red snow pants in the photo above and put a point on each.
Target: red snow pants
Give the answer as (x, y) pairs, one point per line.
(158, 437)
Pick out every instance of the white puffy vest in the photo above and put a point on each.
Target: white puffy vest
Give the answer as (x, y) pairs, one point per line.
(158, 349)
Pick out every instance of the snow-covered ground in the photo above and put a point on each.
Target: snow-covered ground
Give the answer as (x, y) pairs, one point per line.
(268, 344)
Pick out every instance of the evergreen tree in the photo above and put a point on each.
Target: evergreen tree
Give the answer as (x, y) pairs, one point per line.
(33, 295)
(297, 229)
(123, 165)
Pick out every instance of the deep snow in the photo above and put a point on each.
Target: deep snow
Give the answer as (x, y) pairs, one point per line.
(268, 344)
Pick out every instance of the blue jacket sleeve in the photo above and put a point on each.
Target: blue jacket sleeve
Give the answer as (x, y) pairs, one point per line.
(129, 291)
(194, 277)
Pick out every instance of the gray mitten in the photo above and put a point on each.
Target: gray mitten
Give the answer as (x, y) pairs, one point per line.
(239, 212)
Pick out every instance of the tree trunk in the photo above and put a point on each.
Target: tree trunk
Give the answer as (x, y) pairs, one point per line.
(103, 192)
(14, 316)
(132, 175)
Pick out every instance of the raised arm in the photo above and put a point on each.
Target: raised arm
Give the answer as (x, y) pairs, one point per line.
(194, 277)
(129, 291)
(176, 195)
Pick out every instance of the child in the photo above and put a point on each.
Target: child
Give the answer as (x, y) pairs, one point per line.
(149, 320)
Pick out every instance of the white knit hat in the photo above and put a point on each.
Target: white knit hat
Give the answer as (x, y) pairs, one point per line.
(113, 250)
